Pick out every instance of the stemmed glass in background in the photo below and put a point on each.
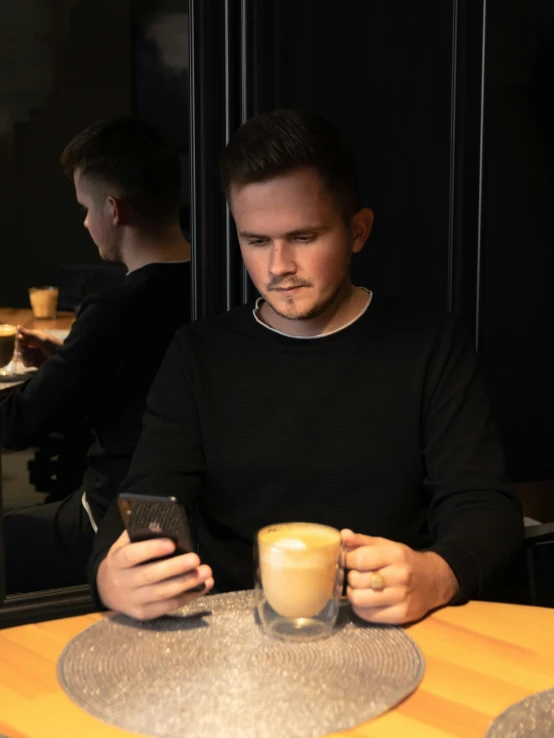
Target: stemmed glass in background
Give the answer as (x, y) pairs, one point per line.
(8, 353)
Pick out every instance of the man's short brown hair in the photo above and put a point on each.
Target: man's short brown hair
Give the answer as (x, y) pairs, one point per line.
(135, 157)
(276, 143)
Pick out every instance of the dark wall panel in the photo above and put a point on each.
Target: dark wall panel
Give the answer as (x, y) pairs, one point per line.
(517, 343)
(55, 79)
(382, 71)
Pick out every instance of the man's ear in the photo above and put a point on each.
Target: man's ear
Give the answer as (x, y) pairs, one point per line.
(362, 223)
(117, 210)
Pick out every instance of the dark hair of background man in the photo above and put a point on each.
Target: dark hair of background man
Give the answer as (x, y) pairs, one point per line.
(135, 157)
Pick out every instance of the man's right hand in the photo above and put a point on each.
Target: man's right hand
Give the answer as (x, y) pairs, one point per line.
(128, 584)
(34, 347)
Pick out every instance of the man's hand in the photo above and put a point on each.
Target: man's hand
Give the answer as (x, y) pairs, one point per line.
(34, 347)
(148, 590)
(414, 582)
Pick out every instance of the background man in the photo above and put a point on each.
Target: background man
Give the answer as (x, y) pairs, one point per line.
(127, 179)
(323, 402)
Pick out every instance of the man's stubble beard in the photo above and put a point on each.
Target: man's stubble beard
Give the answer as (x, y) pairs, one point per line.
(316, 310)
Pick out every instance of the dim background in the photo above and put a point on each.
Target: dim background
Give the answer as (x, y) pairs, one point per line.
(458, 168)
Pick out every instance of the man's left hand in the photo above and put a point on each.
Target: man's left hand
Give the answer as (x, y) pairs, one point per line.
(413, 583)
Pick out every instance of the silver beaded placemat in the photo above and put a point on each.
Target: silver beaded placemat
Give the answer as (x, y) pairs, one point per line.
(532, 717)
(211, 671)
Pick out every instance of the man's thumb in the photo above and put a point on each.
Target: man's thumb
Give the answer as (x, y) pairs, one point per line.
(355, 540)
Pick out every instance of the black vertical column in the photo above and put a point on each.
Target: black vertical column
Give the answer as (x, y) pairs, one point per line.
(233, 86)
(259, 47)
(207, 139)
(232, 77)
(466, 201)
(516, 254)
(247, 45)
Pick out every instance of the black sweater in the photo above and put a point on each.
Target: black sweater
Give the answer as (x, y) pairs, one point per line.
(103, 373)
(384, 427)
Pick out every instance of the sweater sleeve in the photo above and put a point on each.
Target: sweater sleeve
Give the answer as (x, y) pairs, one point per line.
(475, 520)
(169, 458)
(67, 381)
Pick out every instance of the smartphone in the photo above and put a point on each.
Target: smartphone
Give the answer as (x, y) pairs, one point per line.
(149, 516)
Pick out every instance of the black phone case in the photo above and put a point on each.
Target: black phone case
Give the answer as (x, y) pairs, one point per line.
(147, 517)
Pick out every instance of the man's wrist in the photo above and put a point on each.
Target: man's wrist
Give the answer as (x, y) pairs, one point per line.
(50, 346)
(442, 580)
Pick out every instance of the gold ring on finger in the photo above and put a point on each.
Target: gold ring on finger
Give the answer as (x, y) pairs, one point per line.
(376, 581)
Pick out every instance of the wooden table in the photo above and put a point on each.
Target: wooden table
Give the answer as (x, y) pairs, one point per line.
(24, 316)
(480, 658)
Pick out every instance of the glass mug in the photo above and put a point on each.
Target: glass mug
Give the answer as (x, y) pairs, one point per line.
(8, 336)
(299, 572)
(44, 301)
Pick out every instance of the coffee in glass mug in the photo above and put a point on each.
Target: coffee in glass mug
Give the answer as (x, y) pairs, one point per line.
(298, 579)
(44, 301)
(8, 335)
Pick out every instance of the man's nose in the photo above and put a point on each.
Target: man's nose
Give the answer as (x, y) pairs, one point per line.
(282, 259)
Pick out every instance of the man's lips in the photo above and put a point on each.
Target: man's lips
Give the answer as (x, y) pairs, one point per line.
(289, 290)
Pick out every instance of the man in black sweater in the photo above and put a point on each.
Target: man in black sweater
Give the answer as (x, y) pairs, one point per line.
(127, 178)
(323, 402)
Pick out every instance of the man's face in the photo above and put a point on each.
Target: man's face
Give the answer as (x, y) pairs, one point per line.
(294, 242)
(99, 221)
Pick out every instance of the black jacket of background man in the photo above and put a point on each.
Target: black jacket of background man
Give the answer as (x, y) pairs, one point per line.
(102, 373)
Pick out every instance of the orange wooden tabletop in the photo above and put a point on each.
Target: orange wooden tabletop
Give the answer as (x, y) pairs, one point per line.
(24, 316)
(480, 658)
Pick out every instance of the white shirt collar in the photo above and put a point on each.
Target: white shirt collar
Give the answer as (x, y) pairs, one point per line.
(320, 335)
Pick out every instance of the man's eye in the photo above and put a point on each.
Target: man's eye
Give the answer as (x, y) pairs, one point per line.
(257, 241)
(304, 239)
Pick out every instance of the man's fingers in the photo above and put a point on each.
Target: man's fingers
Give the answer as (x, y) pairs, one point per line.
(379, 554)
(370, 599)
(354, 540)
(38, 340)
(393, 576)
(153, 610)
(139, 553)
(30, 356)
(170, 588)
(29, 334)
(148, 574)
